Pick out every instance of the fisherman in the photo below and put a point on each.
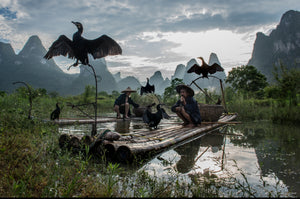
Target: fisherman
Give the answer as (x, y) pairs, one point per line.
(122, 103)
(187, 107)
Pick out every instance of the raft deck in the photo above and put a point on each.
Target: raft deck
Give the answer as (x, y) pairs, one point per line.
(139, 143)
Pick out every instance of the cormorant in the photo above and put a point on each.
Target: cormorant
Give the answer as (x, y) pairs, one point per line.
(219, 101)
(205, 68)
(55, 114)
(153, 119)
(80, 47)
(148, 88)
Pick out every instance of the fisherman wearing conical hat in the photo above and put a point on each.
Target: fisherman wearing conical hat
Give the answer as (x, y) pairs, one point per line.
(122, 103)
(187, 107)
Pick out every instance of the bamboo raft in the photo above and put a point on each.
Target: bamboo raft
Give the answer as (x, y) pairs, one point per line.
(129, 146)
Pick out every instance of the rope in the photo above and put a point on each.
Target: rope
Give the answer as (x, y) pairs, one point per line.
(103, 134)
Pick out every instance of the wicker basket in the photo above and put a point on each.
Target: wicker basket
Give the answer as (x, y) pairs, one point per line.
(210, 112)
(139, 111)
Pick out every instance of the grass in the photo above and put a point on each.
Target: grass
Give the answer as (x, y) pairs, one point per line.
(33, 165)
(277, 111)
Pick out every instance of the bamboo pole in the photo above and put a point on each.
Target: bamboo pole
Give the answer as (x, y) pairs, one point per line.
(160, 133)
(157, 131)
(64, 140)
(75, 142)
(159, 136)
(237, 122)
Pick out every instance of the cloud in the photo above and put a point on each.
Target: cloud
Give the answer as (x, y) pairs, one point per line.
(7, 13)
(141, 26)
(123, 19)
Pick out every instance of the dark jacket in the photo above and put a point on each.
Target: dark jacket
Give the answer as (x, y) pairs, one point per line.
(191, 107)
(121, 100)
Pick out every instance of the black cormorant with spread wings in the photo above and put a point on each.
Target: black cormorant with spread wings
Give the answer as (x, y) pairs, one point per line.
(148, 88)
(79, 47)
(204, 69)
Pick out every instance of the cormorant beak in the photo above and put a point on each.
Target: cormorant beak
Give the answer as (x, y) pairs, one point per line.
(75, 23)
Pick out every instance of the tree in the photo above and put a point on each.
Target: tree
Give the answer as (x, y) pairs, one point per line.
(115, 94)
(2, 93)
(288, 83)
(89, 91)
(247, 79)
(170, 92)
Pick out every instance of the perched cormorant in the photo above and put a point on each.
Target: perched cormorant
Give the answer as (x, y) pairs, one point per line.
(205, 68)
(55, 114)
(148, 88)
(219, 101)
(153, 119)
(80, 47)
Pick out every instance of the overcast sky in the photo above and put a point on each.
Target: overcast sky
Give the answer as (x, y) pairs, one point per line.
(154, 34)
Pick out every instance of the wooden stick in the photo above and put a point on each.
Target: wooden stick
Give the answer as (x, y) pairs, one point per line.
(221, 122)
(202, 153)
(237, 122)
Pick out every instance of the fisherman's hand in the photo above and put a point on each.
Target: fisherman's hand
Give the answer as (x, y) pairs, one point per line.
(178, 109)
(182, 99)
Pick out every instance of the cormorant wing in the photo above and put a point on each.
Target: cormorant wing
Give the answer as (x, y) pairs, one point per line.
(103, 46)
(218, 67)
(214, 68)
(142, 90)
(146, 118)
(196, 69)
(152, 88)
(164, 114)
(62, 46)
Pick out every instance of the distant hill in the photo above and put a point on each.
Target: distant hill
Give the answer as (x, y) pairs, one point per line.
(106, 81)
(30, 66)
(117, 76)
(159, 82)
(130, 81)
(282, 45)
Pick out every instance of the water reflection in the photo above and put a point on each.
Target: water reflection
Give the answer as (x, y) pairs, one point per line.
(265, 153)
(277, 150)
(122, 127)
(189, 153)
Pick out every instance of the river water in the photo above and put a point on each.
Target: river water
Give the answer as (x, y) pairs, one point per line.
(260, 154)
